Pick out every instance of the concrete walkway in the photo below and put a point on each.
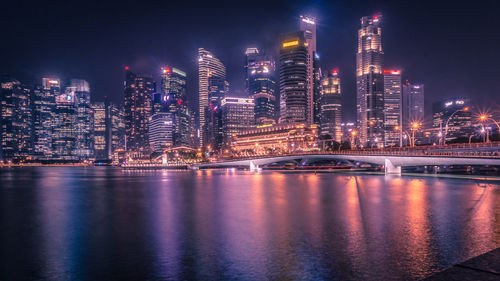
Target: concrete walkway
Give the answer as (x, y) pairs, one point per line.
(483, 267)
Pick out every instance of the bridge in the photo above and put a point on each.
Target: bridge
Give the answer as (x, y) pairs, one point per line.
(392, 159)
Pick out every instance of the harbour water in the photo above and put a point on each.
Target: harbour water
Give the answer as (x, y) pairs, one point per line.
(104, 223)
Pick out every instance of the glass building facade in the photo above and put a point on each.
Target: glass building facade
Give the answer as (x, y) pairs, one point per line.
(137, 106)
(208, 67)
(261, 86)
(293, 68)
(370, 82)
(331, 107)
(392, 108)
(413, 103)
(237, 116)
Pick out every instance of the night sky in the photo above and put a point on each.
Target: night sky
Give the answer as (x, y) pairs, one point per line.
(451, 46)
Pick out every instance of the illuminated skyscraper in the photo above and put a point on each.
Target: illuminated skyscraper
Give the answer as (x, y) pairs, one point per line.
(100, 130)
(261, 85)
(173, 86)
(137, 106)
(118, 136)
(330, 106)
(83, 125)
(237, 116)
(308, 27)
(316, 90)
(392, 108)
(161, 131)
(43, 106)
(208, 67)
(452, 117)
(64, 133)
(293, 64)
(370, 82)
(413, 103)
(213, 135)
(15, 120)
(108, 129)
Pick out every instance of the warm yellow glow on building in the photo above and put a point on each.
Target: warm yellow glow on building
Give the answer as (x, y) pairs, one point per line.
(290, 44)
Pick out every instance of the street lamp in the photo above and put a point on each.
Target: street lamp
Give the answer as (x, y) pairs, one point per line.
(449, 118)
(414, 126)
(485, 117)
(353, 135)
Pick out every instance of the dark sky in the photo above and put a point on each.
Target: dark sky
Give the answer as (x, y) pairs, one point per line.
(451, 46)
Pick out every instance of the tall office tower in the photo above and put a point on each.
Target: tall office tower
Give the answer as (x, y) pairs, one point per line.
(316, 90)
(137, 106)
(213, 135)
(370, 82)
(161, 131)
(237, 116)
(261, 85)
(117, 127)
(413, 103)
(83, 125)
(64, 133)
(293, 64)
(15, 120)
(331, 107)
(308, 27)
(452, 117)
(392, 108)
(43, 108)
(100, 143)
(174, 88)
(208, 66)
(23, 121)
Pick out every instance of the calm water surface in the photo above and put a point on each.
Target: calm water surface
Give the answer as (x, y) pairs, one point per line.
(105, 224)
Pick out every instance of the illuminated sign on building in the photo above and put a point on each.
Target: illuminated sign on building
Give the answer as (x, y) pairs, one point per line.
(290, 43)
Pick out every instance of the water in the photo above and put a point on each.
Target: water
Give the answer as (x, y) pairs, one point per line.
(108, 224)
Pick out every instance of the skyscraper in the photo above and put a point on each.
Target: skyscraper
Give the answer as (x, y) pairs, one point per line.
(212, 133)
(261, 85)
(392, 108)
(137, 106)
(330, 106)
(413, 103)
(308, 27)
(64, 134)
(100, 129)
(317, 75)
(43, 106)
(161, 131)
(453, 118)
(83, 125)
(118, 135)
(173, 86)
(237, 116)
(208, 67)
(15, 120)
(294, 69)
(370, 82)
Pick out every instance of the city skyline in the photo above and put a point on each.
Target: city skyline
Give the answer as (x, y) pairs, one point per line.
(438, 69)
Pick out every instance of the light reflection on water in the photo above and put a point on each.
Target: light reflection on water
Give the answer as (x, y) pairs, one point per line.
(104, 223)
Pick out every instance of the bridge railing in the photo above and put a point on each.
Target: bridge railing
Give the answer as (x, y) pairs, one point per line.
(450, 150)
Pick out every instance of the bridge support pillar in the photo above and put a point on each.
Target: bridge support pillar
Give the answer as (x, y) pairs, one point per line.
(253, 167)
(391, 169)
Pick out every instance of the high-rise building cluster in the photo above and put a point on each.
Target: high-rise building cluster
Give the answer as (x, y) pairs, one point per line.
(287, 98)
(56, 121)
